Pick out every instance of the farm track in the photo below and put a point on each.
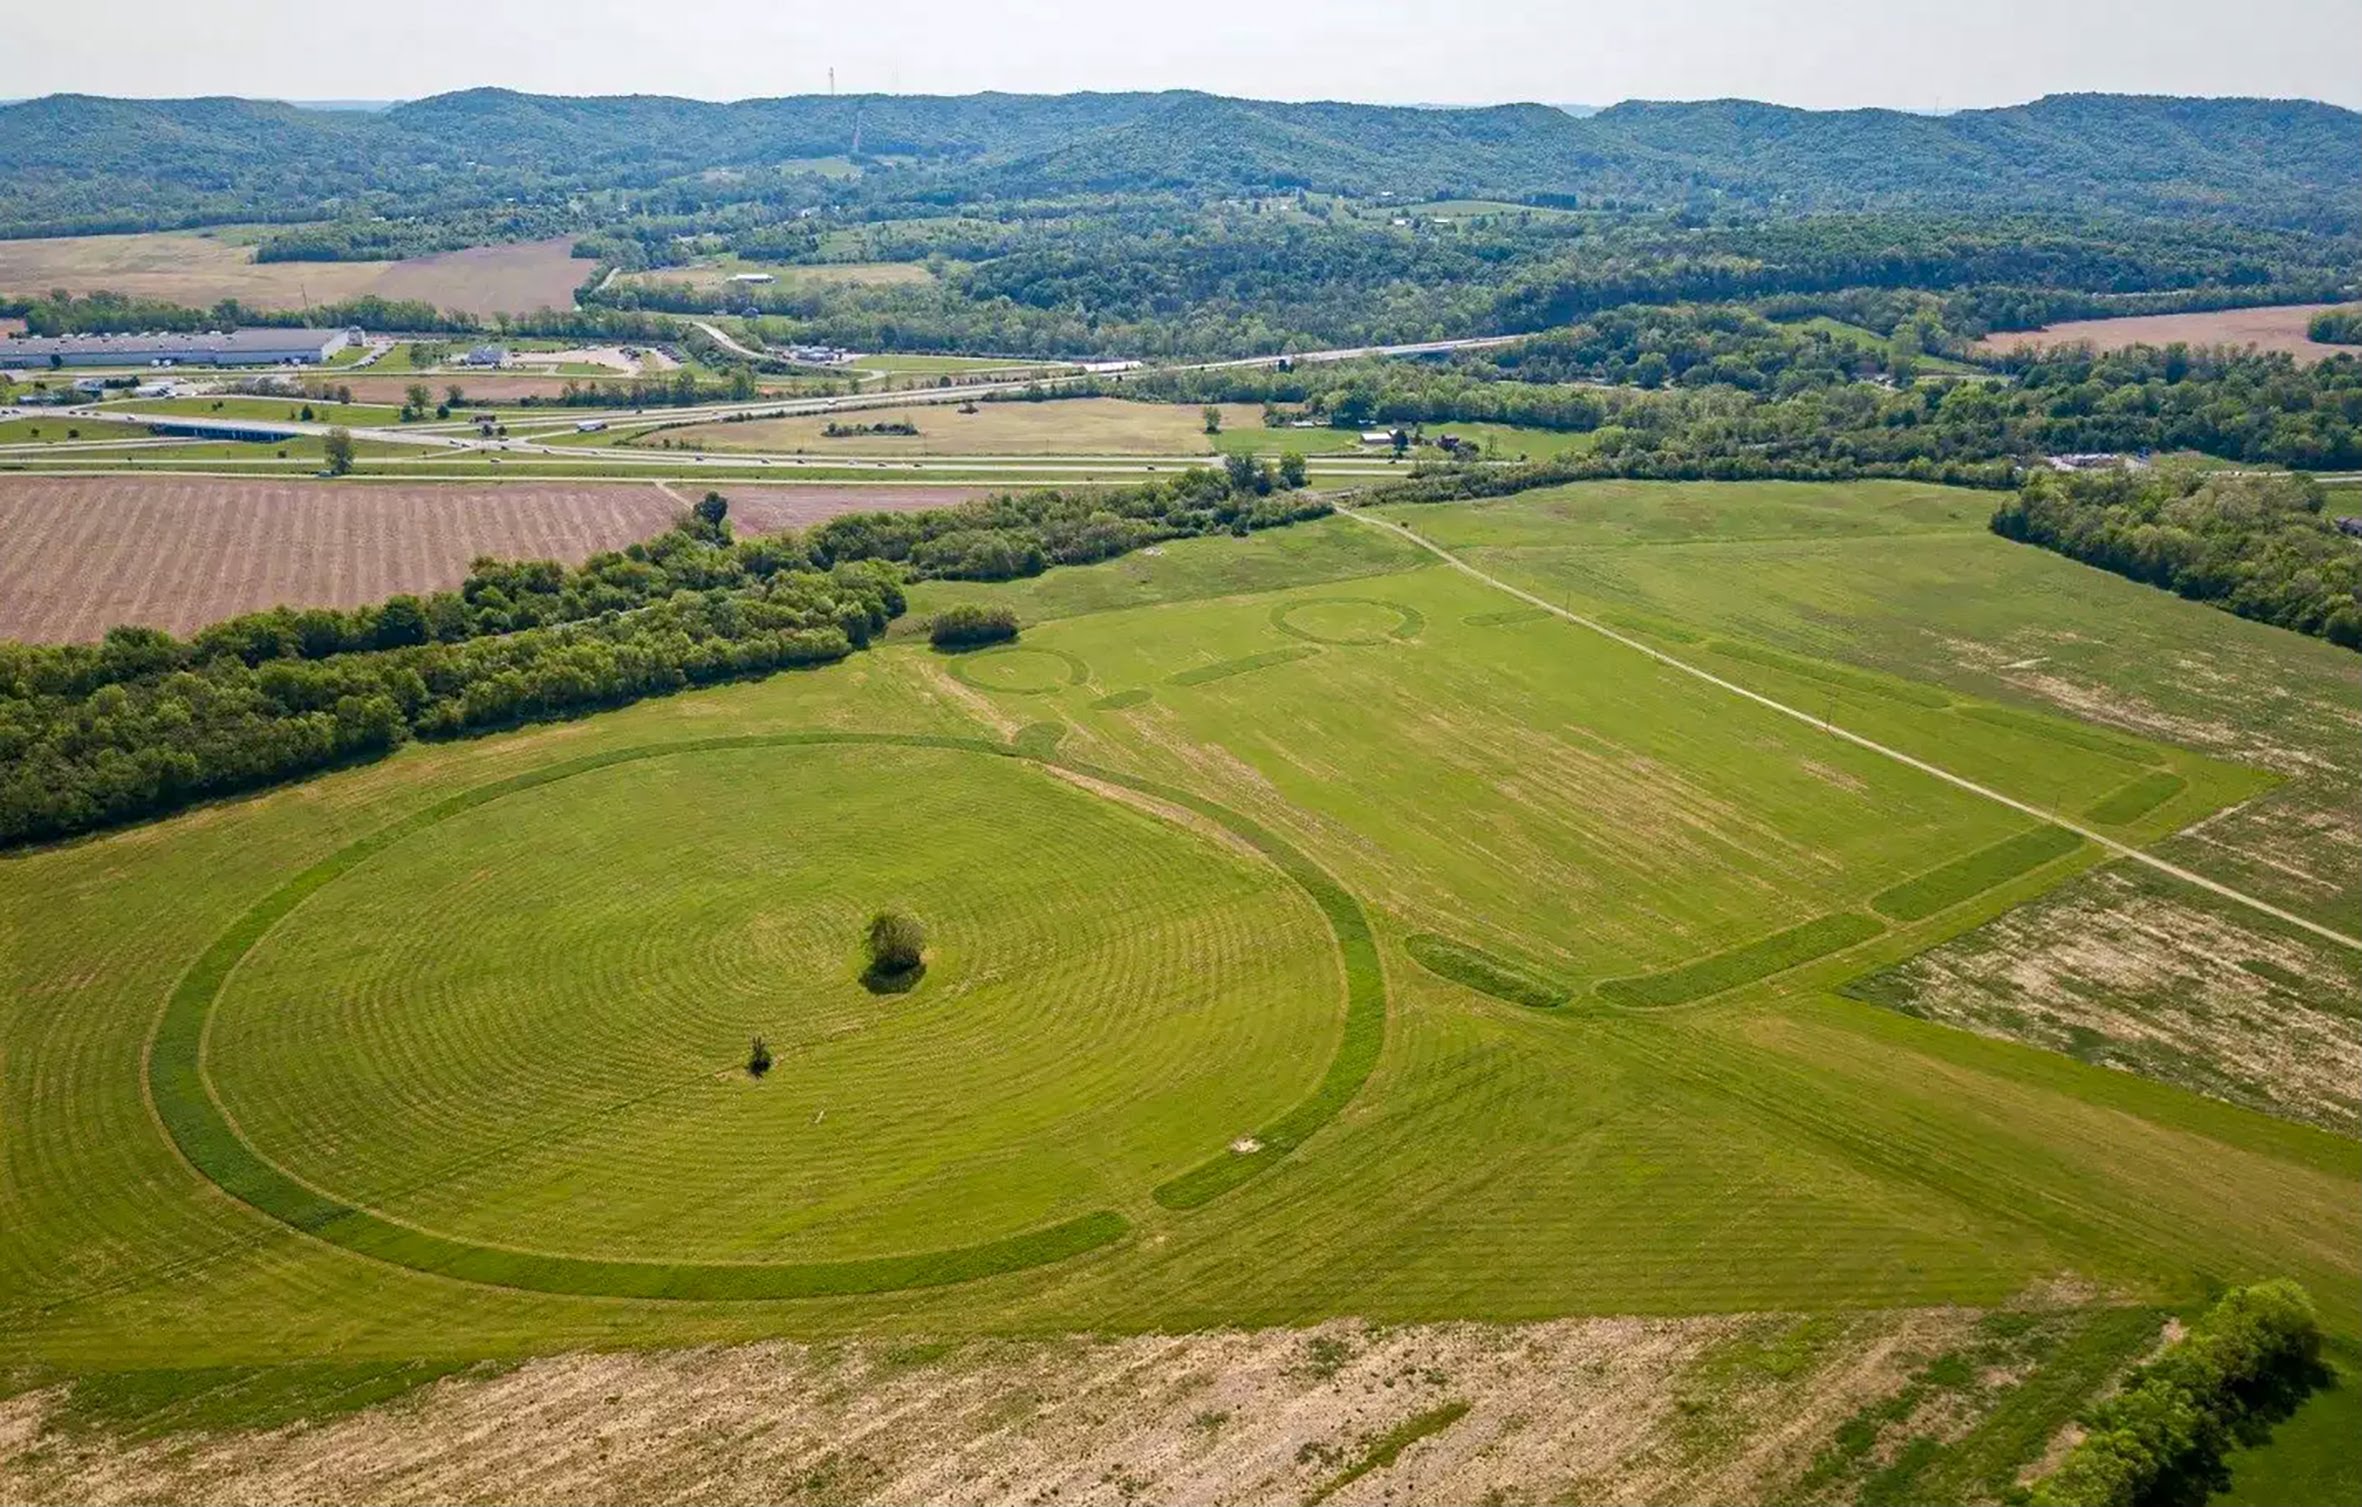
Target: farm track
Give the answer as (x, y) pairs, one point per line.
(2110, 844)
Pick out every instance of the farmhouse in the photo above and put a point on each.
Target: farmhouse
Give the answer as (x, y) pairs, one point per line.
(212, 348)
(485, 355)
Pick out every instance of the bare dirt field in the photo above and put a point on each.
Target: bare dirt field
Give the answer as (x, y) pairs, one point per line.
(2277, 328)
(1066, 426)
(2120, 969)
(717, 274)
(80, 555)
(1724, 1409)
(202, 268)
(490, 279)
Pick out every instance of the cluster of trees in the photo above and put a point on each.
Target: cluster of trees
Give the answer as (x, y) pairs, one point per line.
(970, 625)
(1151, 276)
(2245, 406)
(2258, 545)
(1703, 345)
(680, 390)
(2245, 1363)
(2337, 326)
(1022, 534)
(153, 743)
(375, 239)
(61, 313)
(144, 723)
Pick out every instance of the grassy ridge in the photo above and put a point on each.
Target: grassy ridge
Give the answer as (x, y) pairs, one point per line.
(1477, 969)
(1776, 953)
(1244, 664)
(1939, 889)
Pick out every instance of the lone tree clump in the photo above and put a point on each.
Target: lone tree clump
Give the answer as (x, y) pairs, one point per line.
(897, 948)
(337, 447)
(969, 625)
(758, 1058)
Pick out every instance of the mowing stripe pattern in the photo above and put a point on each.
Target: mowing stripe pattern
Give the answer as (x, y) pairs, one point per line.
(197, 1125)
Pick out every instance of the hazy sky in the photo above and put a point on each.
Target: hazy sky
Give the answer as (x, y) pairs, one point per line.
(1916, 54)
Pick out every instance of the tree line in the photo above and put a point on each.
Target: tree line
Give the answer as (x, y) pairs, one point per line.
(2337, 326)
(2256, 407)
(2259, 545)
(2161, 1436)
(143, 722)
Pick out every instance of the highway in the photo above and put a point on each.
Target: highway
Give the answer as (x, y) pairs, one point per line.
(458, 437)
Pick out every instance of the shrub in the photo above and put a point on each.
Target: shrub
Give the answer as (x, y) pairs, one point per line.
(895, 941)
(969, 624)
(897, 952)
(758, 1058)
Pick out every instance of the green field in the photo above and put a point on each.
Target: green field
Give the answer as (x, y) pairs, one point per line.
(290, 409)
(1319, 932)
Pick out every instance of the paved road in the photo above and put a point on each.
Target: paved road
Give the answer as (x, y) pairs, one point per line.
(457, 436)
(2121, 850)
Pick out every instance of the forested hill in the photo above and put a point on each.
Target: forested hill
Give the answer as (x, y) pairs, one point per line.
(76, 162)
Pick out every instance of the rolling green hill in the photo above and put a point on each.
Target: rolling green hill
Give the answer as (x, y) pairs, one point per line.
(83, 163)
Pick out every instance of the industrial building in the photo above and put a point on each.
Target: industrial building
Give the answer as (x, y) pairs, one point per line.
(211, 348)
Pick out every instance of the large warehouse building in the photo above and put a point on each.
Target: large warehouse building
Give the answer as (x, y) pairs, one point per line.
(214, 348)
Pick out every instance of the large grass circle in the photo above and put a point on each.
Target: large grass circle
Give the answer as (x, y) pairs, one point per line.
(1348, 621)
(522, 1027)
(1020, 670)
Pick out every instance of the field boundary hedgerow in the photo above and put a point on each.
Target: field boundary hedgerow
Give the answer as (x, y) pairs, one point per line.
(193, 1119)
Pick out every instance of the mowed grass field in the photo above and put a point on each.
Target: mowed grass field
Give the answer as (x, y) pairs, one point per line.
(201, 268)
(1169, 995)
(516, 1025)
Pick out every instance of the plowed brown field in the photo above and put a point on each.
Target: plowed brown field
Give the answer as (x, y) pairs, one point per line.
(79, 555)
(2279, 327)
